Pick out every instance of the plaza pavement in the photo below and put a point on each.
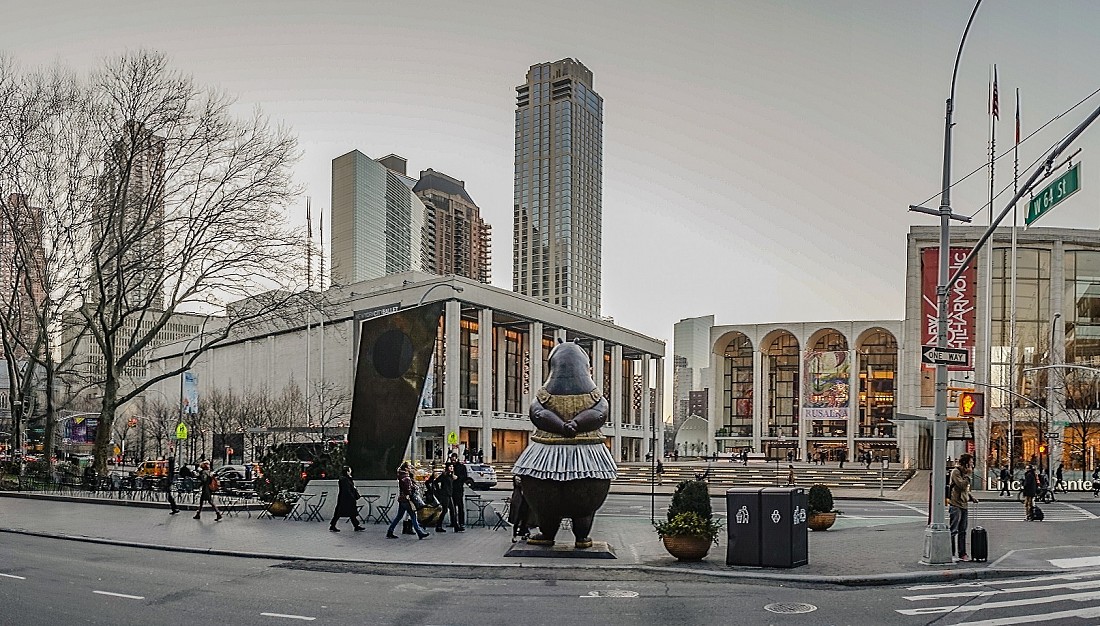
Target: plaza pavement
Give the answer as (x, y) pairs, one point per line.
(858, 550)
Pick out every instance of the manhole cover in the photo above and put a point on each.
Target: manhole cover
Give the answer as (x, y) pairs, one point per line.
(612, 593)
(790, 607)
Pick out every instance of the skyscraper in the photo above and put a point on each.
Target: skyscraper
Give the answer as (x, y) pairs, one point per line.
(130, 228)
(22, 271)
(377, 220)
(558, 187)
(456, 239)
(690, 364)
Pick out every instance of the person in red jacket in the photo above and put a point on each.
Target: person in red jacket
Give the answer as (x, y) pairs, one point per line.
(404, 503)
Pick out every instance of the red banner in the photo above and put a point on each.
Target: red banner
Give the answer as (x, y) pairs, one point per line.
(961, 300)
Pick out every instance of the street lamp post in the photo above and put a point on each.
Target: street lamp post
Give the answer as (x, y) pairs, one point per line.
(937, 537)
(183, 373)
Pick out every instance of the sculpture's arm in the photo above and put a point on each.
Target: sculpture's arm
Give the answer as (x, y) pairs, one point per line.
(546, 419)
(588, 419)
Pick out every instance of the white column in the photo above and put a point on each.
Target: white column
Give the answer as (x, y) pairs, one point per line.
(803, 424)
(615, 401)
(485, 386)
(759, 420)
(644, 417)
(597, 362)
(656, 429)
(452, 344)
(853, 399)
(560, 335)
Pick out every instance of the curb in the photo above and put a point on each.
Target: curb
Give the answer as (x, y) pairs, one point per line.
(144, 504)
(503, 570)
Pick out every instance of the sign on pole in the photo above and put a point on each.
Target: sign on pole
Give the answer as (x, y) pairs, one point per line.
(944, 356)
(181, 431)
(1063, 187)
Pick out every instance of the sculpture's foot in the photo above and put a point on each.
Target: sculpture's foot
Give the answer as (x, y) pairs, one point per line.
(583, 543)
(540, 540)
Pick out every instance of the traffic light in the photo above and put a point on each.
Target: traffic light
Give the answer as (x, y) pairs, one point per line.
(971, 404)
(1042, 448)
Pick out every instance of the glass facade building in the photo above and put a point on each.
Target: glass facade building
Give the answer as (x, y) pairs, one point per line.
(558, 187)
(377, 221)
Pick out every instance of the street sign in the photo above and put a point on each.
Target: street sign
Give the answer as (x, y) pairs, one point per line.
(944, 356)
(181, 431)
(452, 438)
(1063, 187)
(1053, 436)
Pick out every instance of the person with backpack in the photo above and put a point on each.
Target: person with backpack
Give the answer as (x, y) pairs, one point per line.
(208, 485)
(1031, 487)
(958, 500)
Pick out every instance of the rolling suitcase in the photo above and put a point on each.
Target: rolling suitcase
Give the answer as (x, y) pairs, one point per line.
(979, 544)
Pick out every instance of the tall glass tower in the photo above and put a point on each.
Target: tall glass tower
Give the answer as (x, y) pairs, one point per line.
(559, 187)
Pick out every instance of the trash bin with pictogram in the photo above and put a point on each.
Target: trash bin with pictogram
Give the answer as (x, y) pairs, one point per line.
(743, 526)
(784, 540)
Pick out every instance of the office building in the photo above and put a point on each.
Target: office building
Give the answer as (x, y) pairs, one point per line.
(558, 216)
(690, 362)
(377, 221)
(456, 240)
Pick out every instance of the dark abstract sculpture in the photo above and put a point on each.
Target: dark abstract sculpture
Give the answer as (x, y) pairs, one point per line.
(566, 468)
(395, 352)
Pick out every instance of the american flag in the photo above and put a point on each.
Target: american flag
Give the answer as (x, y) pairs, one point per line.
(994, 106)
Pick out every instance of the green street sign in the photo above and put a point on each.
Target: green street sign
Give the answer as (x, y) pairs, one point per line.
(181, 431)
(1063, 187)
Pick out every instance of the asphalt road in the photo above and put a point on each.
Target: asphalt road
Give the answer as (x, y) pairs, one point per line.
(47, 581)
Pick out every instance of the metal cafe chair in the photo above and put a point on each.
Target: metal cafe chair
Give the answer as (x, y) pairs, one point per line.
(314, 510)
(384, 510)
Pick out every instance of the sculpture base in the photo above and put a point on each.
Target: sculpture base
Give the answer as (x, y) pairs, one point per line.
(563, 550)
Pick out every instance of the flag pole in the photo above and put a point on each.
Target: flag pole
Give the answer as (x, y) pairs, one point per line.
(309, 285)
(1012, 294)
(987, 318)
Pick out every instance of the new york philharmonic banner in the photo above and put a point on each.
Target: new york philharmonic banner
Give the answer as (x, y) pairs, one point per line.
(961, 302)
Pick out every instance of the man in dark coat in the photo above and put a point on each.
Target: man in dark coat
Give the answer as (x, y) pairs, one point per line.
(345, 502)
(458, 493)
(444, 493)
(1031, 488)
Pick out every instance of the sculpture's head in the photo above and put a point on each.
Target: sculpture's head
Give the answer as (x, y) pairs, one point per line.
(570, 370)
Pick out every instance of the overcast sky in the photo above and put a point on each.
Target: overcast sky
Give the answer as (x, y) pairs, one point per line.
(758, 156)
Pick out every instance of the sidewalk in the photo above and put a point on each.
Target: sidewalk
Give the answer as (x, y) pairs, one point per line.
(861, 551)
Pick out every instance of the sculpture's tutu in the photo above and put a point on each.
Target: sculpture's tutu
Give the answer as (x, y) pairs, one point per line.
(558, 461)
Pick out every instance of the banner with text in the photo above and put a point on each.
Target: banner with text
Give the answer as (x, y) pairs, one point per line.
(826, 383)
(961, 301)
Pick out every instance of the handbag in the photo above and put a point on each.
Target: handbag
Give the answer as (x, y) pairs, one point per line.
(417, 499)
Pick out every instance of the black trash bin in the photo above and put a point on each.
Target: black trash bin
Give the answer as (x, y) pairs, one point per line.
(784, 541)
(743, 526)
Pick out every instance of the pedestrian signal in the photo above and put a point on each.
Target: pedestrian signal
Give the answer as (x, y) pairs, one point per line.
(1042, 448)
(971, 404)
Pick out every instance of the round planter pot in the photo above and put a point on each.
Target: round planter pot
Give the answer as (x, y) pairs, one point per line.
(687, 548)
(278, 508)
(821, 521)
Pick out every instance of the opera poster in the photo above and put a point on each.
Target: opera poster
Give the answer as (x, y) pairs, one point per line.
(827, 385)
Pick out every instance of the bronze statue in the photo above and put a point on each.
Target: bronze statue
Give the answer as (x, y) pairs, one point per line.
(567, 469)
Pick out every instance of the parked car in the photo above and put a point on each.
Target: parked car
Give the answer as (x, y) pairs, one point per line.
(481, 475)
(237, 472)
(152, 468)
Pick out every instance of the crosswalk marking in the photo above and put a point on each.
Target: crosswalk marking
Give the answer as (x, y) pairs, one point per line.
(1034, 595)
(1081, 561)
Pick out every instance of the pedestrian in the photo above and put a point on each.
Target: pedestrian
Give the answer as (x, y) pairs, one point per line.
(206, 490)
(790, 475)
(458, 493)
(168, 483)
(1031, 487)
(745, 457)
(1058, 485)
(867, 458)
(957, 502)
(1006, 479)
(660, 473)
(345, 502)
(1096, 482)
(519, 512)
(404, 503)
(443, 487)
(843, 457)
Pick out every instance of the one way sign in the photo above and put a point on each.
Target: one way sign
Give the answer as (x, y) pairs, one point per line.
(944, 356)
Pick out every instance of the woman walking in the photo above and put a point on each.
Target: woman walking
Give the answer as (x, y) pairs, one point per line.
(404, 503)
(345, 502)
(206, 494)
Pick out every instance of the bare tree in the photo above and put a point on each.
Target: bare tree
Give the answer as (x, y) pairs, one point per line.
(171, 201)
(1080, 400)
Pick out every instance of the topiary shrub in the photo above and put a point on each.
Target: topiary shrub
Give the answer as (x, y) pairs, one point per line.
(691, 496)
(820, 499)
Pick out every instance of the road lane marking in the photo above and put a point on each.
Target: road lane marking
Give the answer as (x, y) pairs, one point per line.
(284, 615)
(1087, 514)
(1079, 597)
(1088, 584)
(1031, 619)
(118, 595)
(13, 576)
(1081, 561)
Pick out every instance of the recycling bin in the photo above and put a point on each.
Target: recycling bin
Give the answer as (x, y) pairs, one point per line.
(743, 526)
(784, 540)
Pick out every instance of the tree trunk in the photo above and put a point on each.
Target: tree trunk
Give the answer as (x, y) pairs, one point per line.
(106, 423)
